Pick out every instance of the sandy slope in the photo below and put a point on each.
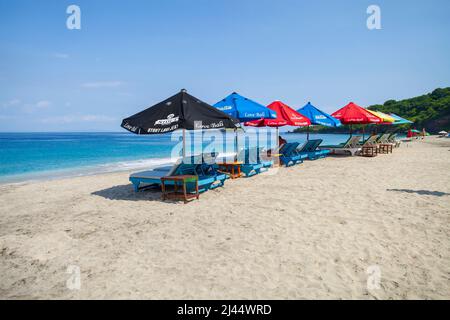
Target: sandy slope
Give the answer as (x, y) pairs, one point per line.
(311, 231)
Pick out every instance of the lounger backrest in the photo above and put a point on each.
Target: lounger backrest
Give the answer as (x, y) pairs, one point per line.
(192, 165)
(240, 155)
(285, 147)
(352, 142)
(291, 150)
(260, 151)
(346, 142)
(263, 154)
(250, 156)
(306, 146)
(370, 141)
(310, 146)
(392, 137)
(386, 137)
(383, 138)
(189, 169)
(174, 168)
(196, 159)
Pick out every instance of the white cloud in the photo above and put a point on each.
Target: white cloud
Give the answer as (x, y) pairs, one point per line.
(11, 103)
(77, 118)
(43, 104)
(102, 84)
(39, 105)
(59, 55)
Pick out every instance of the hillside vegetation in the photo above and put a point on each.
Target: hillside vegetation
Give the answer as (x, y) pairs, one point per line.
(430, 111)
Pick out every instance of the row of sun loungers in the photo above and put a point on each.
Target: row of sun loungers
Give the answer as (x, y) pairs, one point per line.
(353, 146)
(207, 167)
(291, 154)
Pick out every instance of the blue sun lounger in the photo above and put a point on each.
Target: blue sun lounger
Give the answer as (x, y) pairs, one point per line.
(266, 163)
(250, 165)
(289, 156)
(250, 162)
(201, 166)
(310, 149)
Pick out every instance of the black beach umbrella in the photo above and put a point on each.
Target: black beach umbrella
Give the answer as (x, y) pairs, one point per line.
(181, 111)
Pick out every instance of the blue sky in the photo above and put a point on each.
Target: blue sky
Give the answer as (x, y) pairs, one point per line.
(129, 55)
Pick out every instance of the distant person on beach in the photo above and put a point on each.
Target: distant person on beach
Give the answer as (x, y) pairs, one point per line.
(424, 133)
(409, 134)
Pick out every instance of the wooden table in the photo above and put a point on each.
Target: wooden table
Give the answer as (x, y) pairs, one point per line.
(232, 168)
(179, 181)
(386, 148)
(369, 151)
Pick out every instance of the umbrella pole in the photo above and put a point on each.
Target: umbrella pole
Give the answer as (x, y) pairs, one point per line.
(364, 138)
(235, 144)
(307, 133)
(184, 143)
(278, 139)
(350, 131)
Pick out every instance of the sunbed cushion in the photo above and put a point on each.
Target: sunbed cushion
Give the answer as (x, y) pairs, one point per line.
(150, 174)
(163, 168)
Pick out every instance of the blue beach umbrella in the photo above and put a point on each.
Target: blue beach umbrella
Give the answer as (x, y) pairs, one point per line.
(318, 117)
(243, 109)
(399, 120)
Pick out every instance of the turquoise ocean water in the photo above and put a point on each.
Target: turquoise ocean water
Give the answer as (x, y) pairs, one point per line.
(32, 156)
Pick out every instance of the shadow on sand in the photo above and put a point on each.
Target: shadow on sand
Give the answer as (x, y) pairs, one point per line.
(126, 192)
(422, 192)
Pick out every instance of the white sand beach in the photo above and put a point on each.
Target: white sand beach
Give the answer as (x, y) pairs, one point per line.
(310, 231)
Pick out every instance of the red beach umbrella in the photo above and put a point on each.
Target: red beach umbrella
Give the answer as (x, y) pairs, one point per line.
(354, 114)
(286, 116)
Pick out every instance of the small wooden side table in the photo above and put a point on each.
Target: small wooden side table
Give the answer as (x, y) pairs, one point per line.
(233, 168)
(179, 181)
(386, 148)
(369, 151)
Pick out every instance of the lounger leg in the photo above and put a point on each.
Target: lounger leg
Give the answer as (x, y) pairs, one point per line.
(184, 192)
(163, 189)
(196, 189)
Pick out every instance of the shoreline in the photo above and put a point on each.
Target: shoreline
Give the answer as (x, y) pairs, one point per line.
(311, 231)
(86, 171)
(46, 166)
